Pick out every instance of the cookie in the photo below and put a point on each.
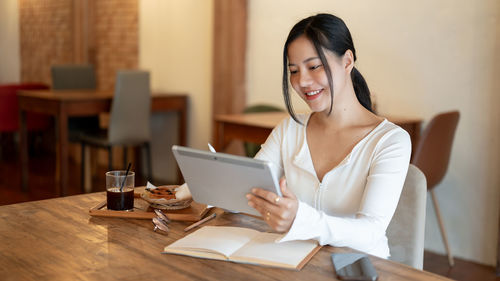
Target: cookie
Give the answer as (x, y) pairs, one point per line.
(164, 192)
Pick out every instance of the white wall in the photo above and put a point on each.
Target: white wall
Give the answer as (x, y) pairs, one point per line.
(9, 42)
(419, 58)
(175, 44)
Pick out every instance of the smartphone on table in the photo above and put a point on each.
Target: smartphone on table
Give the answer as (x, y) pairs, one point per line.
(353, 266)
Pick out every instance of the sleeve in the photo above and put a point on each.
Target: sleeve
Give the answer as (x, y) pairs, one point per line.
(383, 187)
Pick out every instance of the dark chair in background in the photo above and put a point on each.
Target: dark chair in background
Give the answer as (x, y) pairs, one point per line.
(76, 77)
(129, 124)
(9, 110)
(251, 149)
(73, 76)
(432, 156)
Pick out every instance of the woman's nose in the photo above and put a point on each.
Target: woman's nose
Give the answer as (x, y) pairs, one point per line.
(304, 79)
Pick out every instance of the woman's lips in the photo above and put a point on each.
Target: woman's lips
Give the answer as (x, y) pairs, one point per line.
(313, 94)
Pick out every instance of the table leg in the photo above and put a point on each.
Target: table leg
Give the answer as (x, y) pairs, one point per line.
(498, 249)
(62, 154)
(182, 134)
(23, 150)
(219, 136)
(183, 126)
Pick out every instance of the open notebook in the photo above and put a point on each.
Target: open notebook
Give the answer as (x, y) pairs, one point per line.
(244, 245)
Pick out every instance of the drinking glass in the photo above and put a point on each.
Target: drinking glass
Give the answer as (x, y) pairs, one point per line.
(120, 190)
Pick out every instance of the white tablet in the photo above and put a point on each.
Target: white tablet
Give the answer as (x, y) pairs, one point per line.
(223, 180)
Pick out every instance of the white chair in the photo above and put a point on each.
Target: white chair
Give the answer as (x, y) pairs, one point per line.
(407, 229)
(129, 123)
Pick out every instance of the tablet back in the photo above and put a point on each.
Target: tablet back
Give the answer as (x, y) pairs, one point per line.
(223, 180)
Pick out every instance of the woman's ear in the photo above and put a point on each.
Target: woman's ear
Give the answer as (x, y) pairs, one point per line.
(348, 61)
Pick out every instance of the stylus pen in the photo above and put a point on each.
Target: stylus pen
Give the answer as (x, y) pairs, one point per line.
(200, 222)
(211, 148)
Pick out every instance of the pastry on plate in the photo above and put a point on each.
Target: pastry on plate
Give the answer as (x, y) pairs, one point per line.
(167, 197)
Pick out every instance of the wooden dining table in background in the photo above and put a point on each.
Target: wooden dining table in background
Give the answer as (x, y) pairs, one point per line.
(57, 239)
(64, 104)
(256, 127)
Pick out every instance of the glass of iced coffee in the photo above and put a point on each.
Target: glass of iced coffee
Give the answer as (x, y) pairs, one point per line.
(120, 190)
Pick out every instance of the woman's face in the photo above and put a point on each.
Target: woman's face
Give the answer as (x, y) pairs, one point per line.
(308, 76)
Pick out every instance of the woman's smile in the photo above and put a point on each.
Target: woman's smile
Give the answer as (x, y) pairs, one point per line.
(312, 95)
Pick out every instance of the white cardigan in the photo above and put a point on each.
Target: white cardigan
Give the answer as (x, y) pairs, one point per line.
(354, 204)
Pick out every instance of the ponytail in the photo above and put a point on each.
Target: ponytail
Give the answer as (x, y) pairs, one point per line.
(361, 89)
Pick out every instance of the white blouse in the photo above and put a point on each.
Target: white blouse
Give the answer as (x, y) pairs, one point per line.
(356, 200)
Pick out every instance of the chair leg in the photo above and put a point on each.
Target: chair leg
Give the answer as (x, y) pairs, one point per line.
(441, 227)
(1, 144)
(82, 168)
(125, 160)
(88, 171)
(149, 160)
(110, 158)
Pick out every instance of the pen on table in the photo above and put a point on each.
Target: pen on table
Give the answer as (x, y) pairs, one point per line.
(211, 148)
(200, 222)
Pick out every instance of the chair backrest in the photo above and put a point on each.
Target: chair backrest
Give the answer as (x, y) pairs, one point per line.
(9, 108)
(251, 149)
(407, 228)
(66, 77)
(433, 151)
(131, 109)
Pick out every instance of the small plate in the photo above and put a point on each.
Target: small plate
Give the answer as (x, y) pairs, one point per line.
(164, 203)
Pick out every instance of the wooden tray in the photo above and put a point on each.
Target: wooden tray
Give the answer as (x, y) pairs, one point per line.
(142, 210)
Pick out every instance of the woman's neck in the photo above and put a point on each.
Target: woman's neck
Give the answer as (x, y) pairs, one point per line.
(346, 111)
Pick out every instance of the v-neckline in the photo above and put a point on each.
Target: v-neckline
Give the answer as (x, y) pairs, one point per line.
(345, 160)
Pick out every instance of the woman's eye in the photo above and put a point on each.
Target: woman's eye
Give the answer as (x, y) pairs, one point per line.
(315, 66)
(293, 71)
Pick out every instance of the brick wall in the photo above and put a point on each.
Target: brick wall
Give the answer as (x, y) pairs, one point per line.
(46, 29)
(116, 40)
(108, 37)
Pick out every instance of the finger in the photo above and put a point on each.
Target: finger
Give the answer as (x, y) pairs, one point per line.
(283, 186)
(279, 212)
(265, 194)
(265, 213)
(284, 189)
(275, 216)
(261, 205)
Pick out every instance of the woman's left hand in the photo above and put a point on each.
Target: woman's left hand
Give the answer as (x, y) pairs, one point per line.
(278, 212)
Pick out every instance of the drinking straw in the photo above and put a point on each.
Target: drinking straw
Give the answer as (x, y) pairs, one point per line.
(126, 173)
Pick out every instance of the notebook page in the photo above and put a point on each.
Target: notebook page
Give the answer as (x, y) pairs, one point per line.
(220, 239)
(263, 249)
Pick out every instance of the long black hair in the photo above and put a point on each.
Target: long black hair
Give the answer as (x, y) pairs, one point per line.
(329, 32)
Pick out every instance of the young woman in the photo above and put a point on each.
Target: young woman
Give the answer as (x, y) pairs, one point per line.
(342, 166)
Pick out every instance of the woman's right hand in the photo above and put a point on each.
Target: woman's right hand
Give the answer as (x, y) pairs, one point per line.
(278, 212)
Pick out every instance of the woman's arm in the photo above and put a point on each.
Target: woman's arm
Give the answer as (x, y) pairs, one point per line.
(383, 187)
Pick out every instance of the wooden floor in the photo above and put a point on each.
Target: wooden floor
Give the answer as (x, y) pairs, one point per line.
(41, 183)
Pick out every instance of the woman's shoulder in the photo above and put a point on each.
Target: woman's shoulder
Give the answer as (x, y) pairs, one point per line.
(289, 127)
(388, 126)
(389, 132)
(302, 119)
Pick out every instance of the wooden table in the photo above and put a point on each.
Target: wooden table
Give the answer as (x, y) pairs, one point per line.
(255, 127)
(56, 239)
(64, 104)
